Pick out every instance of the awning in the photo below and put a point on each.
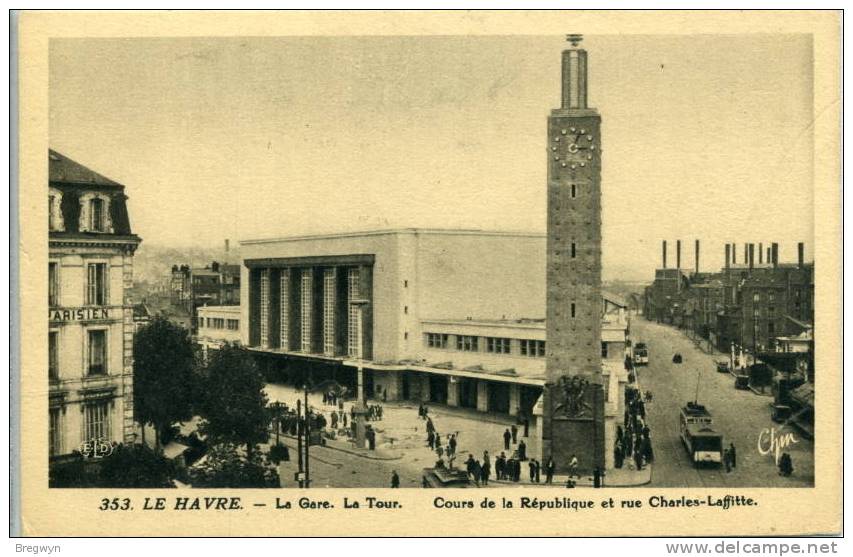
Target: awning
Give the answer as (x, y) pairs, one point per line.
(804, 394)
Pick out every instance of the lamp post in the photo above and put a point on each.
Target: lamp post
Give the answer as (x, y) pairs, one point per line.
(359, 409)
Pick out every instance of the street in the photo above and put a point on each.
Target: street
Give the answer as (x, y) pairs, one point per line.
(740, 415)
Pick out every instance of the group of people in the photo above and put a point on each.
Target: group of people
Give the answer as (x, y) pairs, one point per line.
(374, 412)
(633, 437)
(434, 441)
(331, 398)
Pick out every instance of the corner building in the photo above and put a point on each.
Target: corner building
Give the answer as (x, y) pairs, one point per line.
(90, 317)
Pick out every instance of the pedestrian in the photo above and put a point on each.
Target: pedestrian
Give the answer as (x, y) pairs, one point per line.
(507, 437)
(573, 466)
(395, 479)
(334, 420)
(431, 440)
(596, 477)
(516, 470)
(786, 466)
(487, 468)
(429, 425)
(629, 444)
(385, 396)
(452, 444)
(648, 453)
(618, 454)
(532, 466)
(325, 398)
(426, 412)
(538, 470)
(371, 439)
(638, 458)
(499, 466)
(440, 450)
(727, 460)
(734, 454)
(522, 451)
(514, 430)
(420, 411)
(344, 419)
(469, 465)
(549, 471)
(437, 439)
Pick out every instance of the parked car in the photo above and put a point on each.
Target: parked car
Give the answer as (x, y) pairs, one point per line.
(723, 366)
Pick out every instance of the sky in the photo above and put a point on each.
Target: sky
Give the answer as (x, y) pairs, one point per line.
(703, 136)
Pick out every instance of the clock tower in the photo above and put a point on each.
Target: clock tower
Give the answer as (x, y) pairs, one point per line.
(573, 403)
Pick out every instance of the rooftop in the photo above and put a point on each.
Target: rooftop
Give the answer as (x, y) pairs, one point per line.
(66, 171)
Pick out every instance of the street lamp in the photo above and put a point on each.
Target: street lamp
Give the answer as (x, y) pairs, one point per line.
(359, 408)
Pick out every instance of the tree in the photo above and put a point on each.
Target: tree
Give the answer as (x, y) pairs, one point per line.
(163, 375)
(233, 402)
(126, 466)
(223, 466)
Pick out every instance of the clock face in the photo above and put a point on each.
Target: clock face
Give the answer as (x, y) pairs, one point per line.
(574, 148)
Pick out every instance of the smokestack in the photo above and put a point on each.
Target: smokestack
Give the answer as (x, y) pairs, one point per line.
(760, 253)
(697, 257)
(751, 255)
(664, 254)
(728, 254)
(678, 254)
(800, 254)
(767, 260)
(745, 253)
(734, 253)
(774, 252)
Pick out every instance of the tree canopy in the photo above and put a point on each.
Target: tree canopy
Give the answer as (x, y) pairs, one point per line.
(233, 402)
(163, 374)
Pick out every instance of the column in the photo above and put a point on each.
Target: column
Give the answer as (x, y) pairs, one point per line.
(514, 398)
(425, 387)
(483, 396)
(452, 392)
(306, 284)
(265, 308)
(329, 303)
(284, 309)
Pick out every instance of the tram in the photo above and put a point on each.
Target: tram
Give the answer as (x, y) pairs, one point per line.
(703, 443)
(641, 354)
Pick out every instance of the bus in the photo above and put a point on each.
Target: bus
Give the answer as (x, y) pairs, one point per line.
(641, 354)
(703, 443)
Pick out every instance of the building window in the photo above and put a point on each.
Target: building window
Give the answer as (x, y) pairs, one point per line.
(53, 355)
(218, 323)
(97, 422)
(233, 325)
(436, 340)
(201, 322)
(756, 297)
(603, 349)
(306, 305)
(55, 438)
(51, 221)
(284, 310)
(405, 284)
(53, 284)
(330, 281)
(467, 343)
(97, 352)
(353, 279)
(573, 309)
(497, 345)
(532, 348)
(209, 323)
(96, 215)
(96, 291)
(574, 252)
(265, 308)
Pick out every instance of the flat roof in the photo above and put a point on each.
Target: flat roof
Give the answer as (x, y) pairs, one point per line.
(395, 231)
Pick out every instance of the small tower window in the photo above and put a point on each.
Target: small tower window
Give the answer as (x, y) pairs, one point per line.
(573, 309)
(574, 250)
(574, 191)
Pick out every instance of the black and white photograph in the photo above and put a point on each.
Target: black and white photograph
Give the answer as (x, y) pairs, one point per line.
(531, 262)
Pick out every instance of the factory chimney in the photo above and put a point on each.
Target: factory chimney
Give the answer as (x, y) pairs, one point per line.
(728, 254)
(678, 254)
(664, 254)
(734, 254)
(760, 253)
(800, 254)
(751, 256)
(697, 256)
(774, 252)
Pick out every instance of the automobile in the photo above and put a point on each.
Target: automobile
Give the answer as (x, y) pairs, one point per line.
(781, 413)
(723, 366)
(676, 358)
(741, 382)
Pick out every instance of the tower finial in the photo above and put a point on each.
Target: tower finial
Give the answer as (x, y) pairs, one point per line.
(574, 39)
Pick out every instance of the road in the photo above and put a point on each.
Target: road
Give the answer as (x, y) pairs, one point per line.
(740, 415)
